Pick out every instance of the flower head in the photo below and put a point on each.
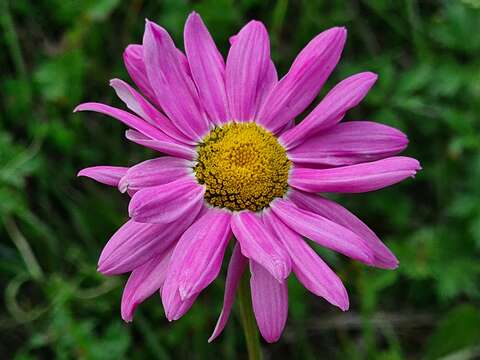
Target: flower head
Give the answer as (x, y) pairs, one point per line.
(236, 164)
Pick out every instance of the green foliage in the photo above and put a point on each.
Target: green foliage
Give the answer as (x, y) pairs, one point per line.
(458, 330)
(56, 53)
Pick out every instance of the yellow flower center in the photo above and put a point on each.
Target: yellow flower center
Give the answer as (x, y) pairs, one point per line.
(243, 167)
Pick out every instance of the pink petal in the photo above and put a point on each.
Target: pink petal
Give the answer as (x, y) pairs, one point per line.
(184, 62)
(146, 111)
(128, 119)
(323, 231)
(208, 68)
(258, 244)
(175, 307)
(355, 178)
(309, 268)
(135, 243)
(198, 255)
(164, 146)
(108, 175)
(247, 62)
(297, 89)
(154, 172)
(174, 89)
(236, 267)
(232, 39)
(270, 302)
(143, 282)
(346, 95)
(350, 143)
(133, 59)
(382, 256)
(166, 203)
(267, 83)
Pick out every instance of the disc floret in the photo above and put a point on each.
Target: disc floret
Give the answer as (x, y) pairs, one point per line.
(243, 166)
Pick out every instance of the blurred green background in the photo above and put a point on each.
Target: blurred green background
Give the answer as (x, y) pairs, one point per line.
(55, 54)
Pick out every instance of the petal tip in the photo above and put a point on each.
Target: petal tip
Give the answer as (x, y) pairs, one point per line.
(256, 24)
(88, 106)
(149, 26)
(115, 82)
(185, 292)
(133, 208)
(374, 76)
(341, 30)
(123, 185)
(337, 33)
(103, 269)
(386, 260)
(394, 266)
(194, 16)
(271, 338)
(127, 315)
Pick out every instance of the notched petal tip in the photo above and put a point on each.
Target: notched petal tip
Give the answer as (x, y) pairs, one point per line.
(127, 310)
(393, 265)
(127, 320)
(414, 166)
(418, 166)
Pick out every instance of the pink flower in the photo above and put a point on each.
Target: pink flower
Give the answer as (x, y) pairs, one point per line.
(238, 165)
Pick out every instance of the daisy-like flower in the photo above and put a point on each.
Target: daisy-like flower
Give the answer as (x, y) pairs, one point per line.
(237, 165)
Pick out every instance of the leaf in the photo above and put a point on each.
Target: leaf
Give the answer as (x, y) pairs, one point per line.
(457, 330)
(60, 78)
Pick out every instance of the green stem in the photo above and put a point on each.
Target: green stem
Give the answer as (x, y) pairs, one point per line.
(23, 248)
(11, 38)
(248, 319)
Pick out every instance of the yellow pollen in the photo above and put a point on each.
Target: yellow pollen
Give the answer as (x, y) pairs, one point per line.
(243, 167)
